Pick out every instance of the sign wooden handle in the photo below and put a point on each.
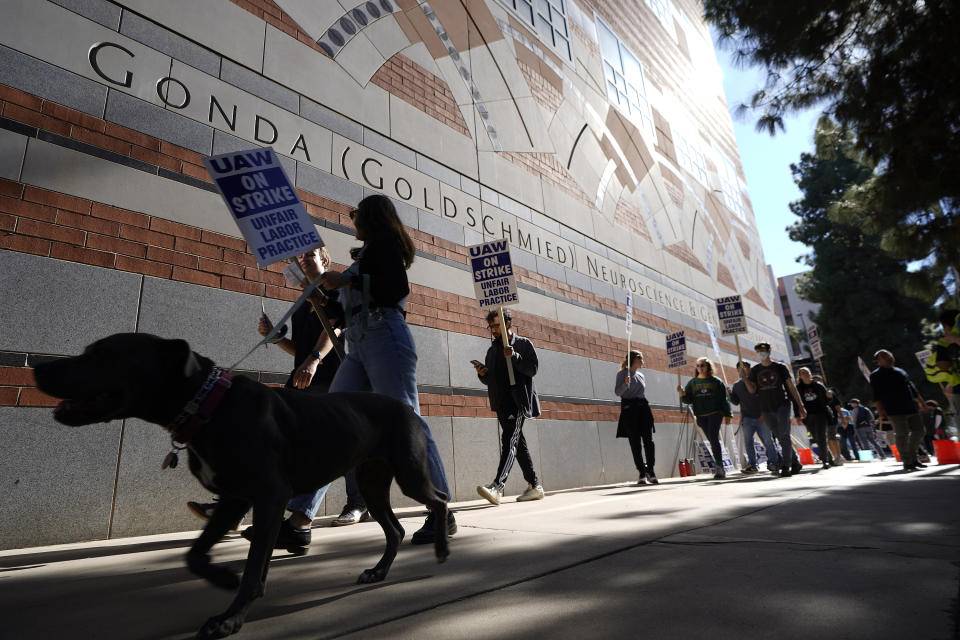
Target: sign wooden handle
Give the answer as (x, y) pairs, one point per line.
(506, 343)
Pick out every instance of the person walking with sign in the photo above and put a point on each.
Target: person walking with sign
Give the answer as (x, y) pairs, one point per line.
(708, 396)
(814, 396)
(636, 418)
(382, 356)
(773, 383)
(513, 404)
(752, 423)
(313, 372)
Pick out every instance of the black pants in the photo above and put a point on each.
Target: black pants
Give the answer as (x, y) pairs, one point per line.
(711, 426)
(641, 446)
(817, 424)
(513, 446)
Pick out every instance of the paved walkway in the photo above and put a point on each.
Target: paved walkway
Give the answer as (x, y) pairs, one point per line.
(859, 551)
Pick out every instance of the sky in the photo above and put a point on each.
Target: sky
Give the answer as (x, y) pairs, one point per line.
(766, 164)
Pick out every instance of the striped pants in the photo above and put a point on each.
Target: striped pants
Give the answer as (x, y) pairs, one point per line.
(513, 446)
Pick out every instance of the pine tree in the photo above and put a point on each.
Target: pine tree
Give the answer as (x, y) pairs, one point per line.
(889, 70)
(860, 288)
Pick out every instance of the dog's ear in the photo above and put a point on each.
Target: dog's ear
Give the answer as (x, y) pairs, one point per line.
(181, 354)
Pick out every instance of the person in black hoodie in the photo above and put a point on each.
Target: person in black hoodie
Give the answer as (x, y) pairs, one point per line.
(814, 396)
(512, 404)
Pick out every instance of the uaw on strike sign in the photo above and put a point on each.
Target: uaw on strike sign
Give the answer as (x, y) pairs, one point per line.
(261, 198)
(493, 281)
(730, 313)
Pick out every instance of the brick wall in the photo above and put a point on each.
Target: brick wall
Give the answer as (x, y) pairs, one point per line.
(413, 84)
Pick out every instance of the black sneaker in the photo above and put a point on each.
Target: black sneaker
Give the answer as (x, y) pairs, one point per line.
(349, 515)
(203, 510)
(426, 533)
(288, 538)
(919, 465)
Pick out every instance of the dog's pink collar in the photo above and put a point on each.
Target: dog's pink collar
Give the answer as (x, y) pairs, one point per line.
(199, 410)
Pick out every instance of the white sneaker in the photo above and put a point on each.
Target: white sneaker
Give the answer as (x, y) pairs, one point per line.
(642, 480)
(532, 493)
(652, 479)
(490, 493)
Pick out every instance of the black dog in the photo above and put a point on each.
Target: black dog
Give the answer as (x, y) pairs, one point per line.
(252, 445)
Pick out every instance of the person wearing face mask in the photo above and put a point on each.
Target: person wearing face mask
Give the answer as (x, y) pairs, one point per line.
(772, 382)
(814, 396)
(512, 404)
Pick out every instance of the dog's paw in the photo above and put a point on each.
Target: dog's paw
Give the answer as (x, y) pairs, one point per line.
(220, 627)
(371, 575)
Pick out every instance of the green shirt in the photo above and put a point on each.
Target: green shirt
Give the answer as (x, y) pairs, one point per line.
(708, 396)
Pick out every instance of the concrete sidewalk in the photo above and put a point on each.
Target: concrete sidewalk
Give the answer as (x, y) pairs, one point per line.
(859, 551)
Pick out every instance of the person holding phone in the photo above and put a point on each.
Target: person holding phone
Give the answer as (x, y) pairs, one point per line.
(512, 404)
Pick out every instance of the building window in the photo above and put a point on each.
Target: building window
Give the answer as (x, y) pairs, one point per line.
(662, 9)
(548, 19)
(623, 76)
(730, 186)
(686, 141)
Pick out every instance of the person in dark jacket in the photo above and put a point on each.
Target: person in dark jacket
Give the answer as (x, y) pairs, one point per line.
(814, 397)
(898, 399)
(636, 418)
(512, 404)
(751, 422)
(708, 395)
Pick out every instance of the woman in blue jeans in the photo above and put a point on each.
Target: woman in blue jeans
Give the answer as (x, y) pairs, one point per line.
(381, 355)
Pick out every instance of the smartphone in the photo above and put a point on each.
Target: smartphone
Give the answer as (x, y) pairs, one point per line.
(477, 363)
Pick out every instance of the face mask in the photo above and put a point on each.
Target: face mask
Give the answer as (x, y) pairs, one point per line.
(763, 354)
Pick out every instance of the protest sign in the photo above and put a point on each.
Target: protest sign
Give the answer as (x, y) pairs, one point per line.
(493, 281)
(813, 337)
(264, 204)
(676, 350)
(732, 318)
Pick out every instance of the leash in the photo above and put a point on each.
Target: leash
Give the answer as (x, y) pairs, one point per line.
(282, 323)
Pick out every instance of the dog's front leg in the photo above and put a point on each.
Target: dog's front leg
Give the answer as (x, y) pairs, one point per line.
(267, 516)
(228, 513)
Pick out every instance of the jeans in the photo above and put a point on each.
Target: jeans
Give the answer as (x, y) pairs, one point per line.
(751, 426)
(817, 423)
(513, 446)
(848, 438)
(909, 432)
(309, 503)
(779, 423)
(711, 426)
(868, 440)
(381, 357)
